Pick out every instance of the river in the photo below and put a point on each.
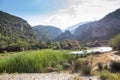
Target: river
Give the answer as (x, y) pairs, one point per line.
(93, 50)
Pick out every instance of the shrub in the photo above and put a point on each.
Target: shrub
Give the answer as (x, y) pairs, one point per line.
(70, 44)
(87, 70)
(59, 67)
(100, 66)
(115, 66)
(115, 42)
(104, 76)
(82, 65)
(78, 64)
(66, 66)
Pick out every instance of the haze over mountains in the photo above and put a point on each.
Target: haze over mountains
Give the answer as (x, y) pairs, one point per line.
(103, 29)
(73, 28)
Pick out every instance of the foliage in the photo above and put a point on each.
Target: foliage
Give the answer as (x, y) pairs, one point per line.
(100, 66)
(115, 66)
(59, 67)
(87, 70)
(69, 45)
(15, 33)
(82, 65)
(115, 42)
(105, 75)
(33, 61)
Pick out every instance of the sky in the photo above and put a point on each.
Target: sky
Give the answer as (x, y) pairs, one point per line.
(59, 13)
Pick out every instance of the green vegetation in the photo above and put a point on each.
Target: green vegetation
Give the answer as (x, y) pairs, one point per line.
(33, 61)
(46, 32)
(68, 45)
(15, 33)
(105, 75)
(115, 42)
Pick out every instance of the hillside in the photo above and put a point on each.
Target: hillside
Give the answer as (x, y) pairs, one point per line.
(47, 32)
(73, 28)
(64, 36)
(103, 29)
(14, 32)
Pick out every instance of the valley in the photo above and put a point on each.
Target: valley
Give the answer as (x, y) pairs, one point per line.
(88, 50)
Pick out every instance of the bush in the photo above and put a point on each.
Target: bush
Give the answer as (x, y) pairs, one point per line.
(115, 42)
(70, 45)
(104, 76)
(100, 66)
(82, 65)
(59, 67)
(79, 64)
(115, 66)
(87, 70)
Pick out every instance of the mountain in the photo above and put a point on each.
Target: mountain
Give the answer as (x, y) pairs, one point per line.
(47, 32)
(69, 32)
(14, 31)
(72, 28)
(103, 29)
(64, 36)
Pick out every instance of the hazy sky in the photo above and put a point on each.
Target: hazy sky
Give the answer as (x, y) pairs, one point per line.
(59, 13)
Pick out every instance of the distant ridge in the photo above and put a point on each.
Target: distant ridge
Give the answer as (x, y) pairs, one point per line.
(47, 32)
(72, 28)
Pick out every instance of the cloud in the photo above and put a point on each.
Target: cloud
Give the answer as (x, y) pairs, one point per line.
(77, 11)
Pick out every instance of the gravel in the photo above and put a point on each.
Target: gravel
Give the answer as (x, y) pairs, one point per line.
(37, 76)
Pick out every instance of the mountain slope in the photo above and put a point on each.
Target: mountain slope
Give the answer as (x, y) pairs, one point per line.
(14, 31)
(103, 29)
(64, 36)
(47, 32)
(72, 28)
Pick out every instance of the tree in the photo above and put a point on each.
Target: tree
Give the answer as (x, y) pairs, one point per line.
(115, 42)
(70, 44)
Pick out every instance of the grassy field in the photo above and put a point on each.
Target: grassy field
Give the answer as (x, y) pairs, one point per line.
(33, 61)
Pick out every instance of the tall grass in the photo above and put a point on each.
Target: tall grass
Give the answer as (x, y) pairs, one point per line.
(33, 61)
